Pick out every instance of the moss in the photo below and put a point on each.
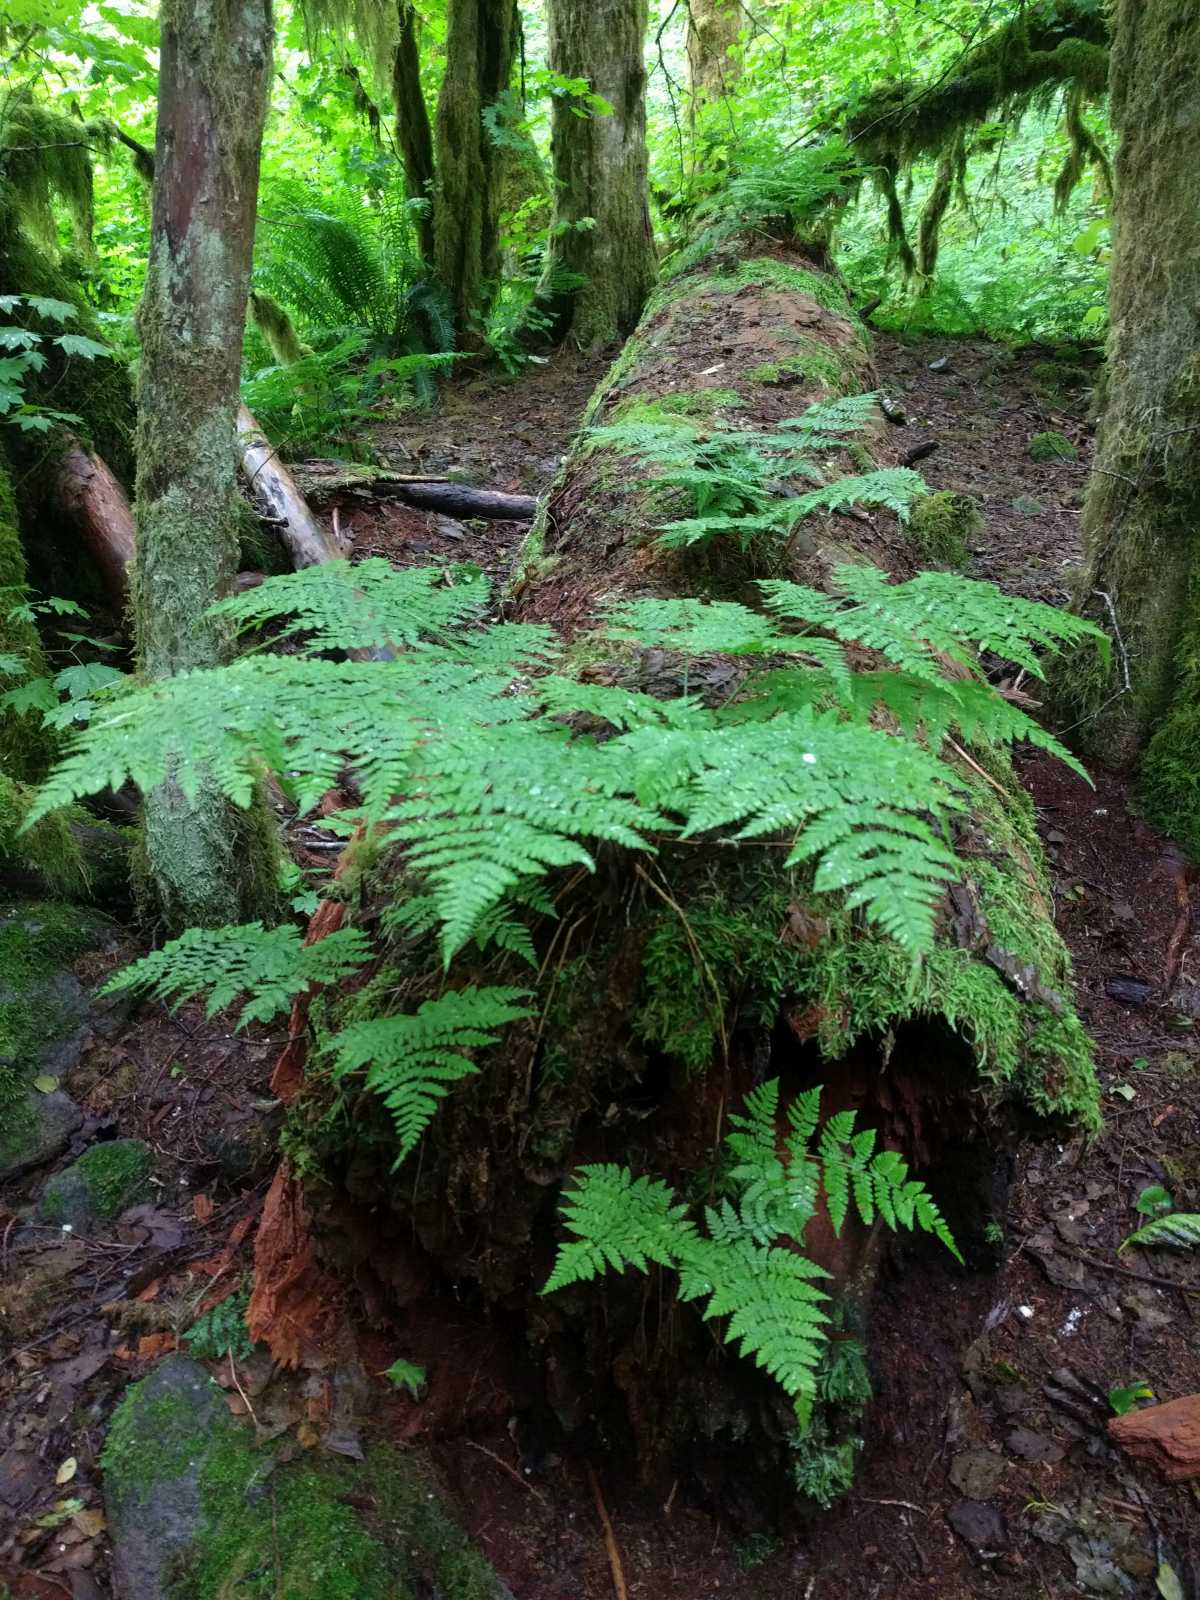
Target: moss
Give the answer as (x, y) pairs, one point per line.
(682, 403)
(325, 1529)
(115, 1174)
(1168, 782)
(761, 272)
(814, 363)
(1051, 446)
(49, 848)
(26, 748)
(36, 941)
(942, 525)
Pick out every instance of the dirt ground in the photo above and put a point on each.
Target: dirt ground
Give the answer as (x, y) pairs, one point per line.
(986, 1469)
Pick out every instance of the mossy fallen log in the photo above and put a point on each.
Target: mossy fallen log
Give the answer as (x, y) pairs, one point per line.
(668, 989)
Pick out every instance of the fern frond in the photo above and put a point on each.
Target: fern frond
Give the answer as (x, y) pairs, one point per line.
(895, 488)
(268, 967)
(620, 1221)
(340, 607)
(412, 1060)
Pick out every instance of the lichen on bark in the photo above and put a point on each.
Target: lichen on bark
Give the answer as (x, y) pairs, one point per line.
(600, 232)
(1142, 518)
(202, 867)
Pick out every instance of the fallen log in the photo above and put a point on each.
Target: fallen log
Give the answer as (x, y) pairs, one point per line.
(425, 494)
(279, 501)
(668, 991)
(87, 496)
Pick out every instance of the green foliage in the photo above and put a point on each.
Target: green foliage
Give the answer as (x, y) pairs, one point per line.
(268, 967)
(1180, 1229)
(779, 1168)
(412, 1060)
(221, 1333)
(1051, 446)
(728, 477)
(1125, 1398)
(942, 524)
(406, 1375)
(24, 352)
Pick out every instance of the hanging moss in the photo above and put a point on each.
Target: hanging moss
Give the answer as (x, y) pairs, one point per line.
(276, 326)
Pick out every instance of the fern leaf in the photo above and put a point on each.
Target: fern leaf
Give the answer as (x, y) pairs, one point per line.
(1180, 1229)
(412, 1060)
(620, 1221)
(268, 967)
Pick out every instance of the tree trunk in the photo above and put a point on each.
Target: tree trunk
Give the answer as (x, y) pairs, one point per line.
(203, 866)
(481, 43)
(712, 32)
(1142, 519)
(413, 133)
(601, 225)
(668, 987)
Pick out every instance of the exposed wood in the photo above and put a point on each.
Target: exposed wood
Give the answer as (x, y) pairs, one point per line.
(278, 499)
(87, 496)
(1167, 1436)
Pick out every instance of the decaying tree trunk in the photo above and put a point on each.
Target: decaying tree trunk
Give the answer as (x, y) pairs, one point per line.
(669, 986)
(323, 481)
(601, 224)
(205, 866)
(1142, 518)
(481, 44)
(278, 499)
(86, 495)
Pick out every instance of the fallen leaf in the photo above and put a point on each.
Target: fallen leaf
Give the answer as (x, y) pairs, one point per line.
(1125, 1090)
(307, 1435)
(150, 1292)
(89, 1523)
(202, 1207)
(1167, 1583)
(156, 1344)
(44, 1083)
(67, 1471)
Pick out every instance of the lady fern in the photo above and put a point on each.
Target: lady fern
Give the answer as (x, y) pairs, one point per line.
(767, 1289)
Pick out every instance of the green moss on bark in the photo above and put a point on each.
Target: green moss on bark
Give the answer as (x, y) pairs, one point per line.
(942, 526)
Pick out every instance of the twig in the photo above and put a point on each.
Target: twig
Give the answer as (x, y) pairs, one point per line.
(610, 1540)
(1112, 611)
(974, 765)
(864, 1500)
(504, 1467)
(1126, 1272)
(237, 1385)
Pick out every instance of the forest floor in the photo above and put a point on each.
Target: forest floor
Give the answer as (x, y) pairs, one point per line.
(986, 1467)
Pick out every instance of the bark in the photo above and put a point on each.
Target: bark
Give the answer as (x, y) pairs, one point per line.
(600, 168)
(1142, 518)
(637, 1055)
(712, 32)
(481, 43)
(84, 492)
(278, 499)
(413, 133)
(203, 866)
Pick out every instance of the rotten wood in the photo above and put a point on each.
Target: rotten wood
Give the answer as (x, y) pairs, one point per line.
(279, 501)
(326, 480)
(1167, 1436)
(86, 495)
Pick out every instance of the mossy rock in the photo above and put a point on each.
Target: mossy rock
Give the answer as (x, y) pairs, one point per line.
(43, 1009)
(943, 524)
(1051, 446)
(198, 1512)
(106, 1180)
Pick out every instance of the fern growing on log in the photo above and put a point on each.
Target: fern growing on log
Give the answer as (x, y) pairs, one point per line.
(737, 1262)
(733, 476)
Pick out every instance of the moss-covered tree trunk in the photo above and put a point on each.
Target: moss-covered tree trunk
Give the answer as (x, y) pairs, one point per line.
(481, 43)
(667, 987)
(601, 222)
(216, 65)
(712, 32)
(1142, 519)
(413, 133)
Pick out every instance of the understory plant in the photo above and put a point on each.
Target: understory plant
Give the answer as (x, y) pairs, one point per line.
(485, 770)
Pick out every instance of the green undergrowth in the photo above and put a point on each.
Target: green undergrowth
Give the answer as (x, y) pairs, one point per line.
(320, 1527)
(114, 1175)
(942, 526)
(1050, 446)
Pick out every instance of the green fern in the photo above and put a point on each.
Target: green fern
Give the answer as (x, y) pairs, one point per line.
(267, 967)
(1179, 1228)
(767, 1290)
(411, 1060)
(730, 475)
